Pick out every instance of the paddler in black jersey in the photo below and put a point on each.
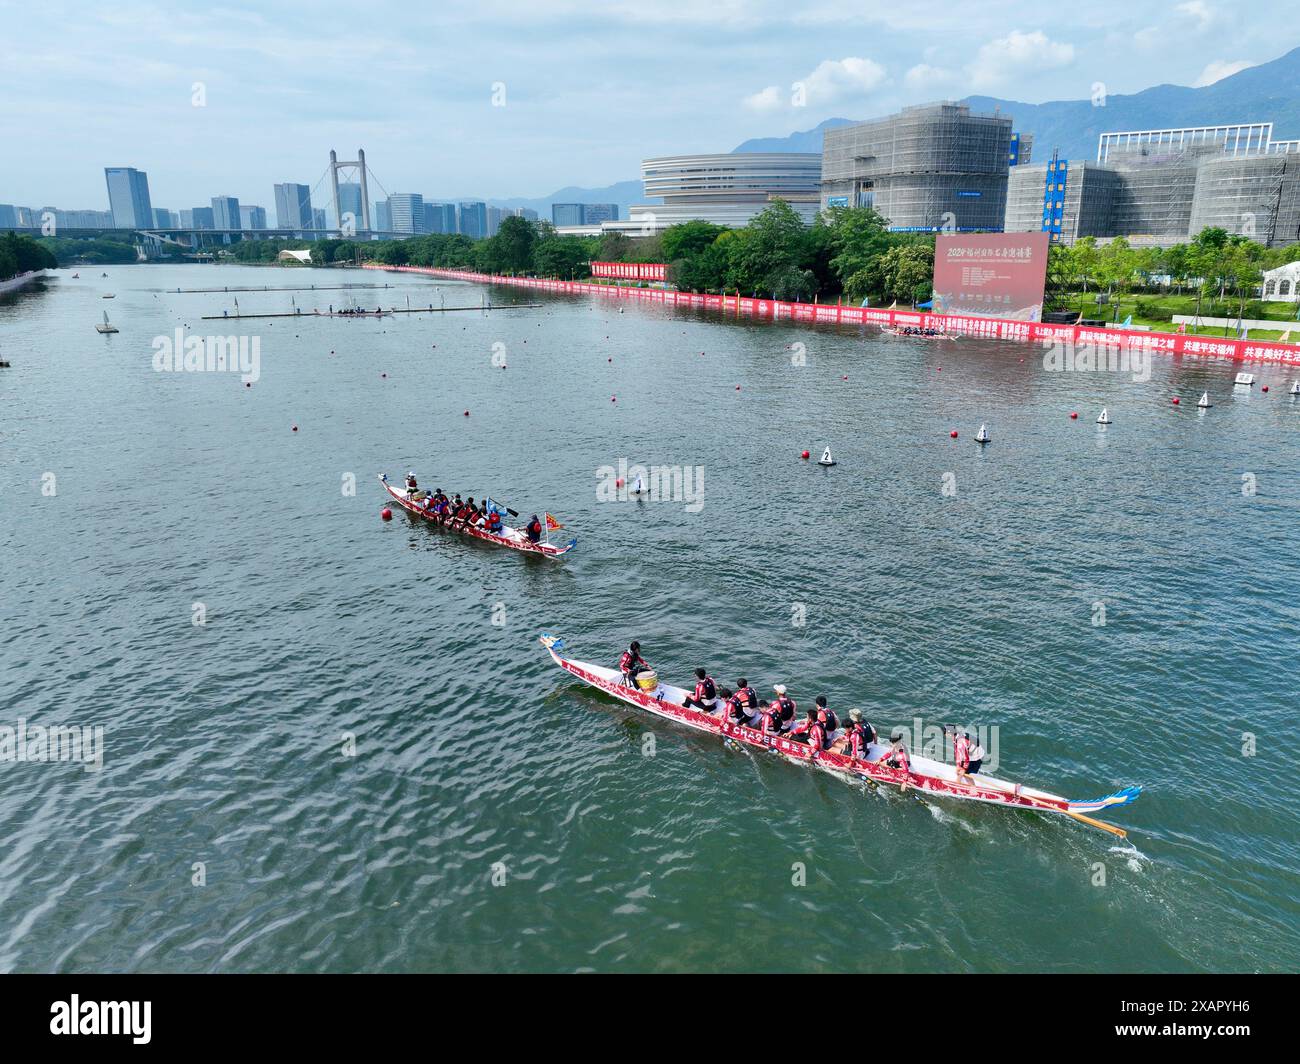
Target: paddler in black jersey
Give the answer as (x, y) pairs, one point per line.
(534, 530)
(632, 663)
(787, 706)
(748, 697)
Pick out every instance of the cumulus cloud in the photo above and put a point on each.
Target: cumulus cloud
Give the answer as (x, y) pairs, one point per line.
(1219, 69)
(1198, 11)
(924, 77)
(833, 80)
(765, 100)
(1015, 53)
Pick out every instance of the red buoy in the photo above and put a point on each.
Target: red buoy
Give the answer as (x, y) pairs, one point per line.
(386, 514)
(737, 387)
(467, 413)
(805, 455)
(1074, 415)
(1175, 400)
(613, 398)
(953, 434)
(1264, 389)
(618, 483)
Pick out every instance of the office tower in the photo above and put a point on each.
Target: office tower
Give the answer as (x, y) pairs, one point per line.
(162, 218)
(128, 197)
(566, 214)
(293, 208)
(318, 219)
(472, 219)
(8, 216)
(251, 217)
(350, 204)
(595, 213)
(439, 217)
(406, 212)
(203, 218)
(225, 212)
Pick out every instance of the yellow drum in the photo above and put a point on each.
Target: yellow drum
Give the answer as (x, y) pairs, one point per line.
(647, 680)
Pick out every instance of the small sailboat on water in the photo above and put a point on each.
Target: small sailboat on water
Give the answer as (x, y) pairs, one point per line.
(983, 435)
(1203, 403)
(107, 327)
(1295, 387)
(1104, 417)
(826, 458)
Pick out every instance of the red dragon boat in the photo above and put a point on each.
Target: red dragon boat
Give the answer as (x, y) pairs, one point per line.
(514, 538)
(926, 776)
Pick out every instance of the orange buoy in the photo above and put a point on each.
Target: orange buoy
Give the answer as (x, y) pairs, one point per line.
(386, 514)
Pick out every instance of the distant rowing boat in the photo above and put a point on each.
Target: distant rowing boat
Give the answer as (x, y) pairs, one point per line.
(513, 538)
(926, 776)
(895, 331)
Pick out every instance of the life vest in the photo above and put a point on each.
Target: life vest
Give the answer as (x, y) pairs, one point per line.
(494, 522)
(899, 755)
(858, 739)
(771, 718)
(817, 735)
(832, 721)
(787, 707)
(736, 710)
(748, 698)
(534, 529)
(706, 690)
(961, 751)
(628, 660)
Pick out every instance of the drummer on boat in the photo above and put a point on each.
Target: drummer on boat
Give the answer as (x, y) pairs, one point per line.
(411, 485)
(631, 662)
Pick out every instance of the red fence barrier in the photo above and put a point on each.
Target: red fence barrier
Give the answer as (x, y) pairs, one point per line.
(1227, 348)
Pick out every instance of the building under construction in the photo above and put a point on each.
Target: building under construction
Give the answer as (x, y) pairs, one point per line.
(1162, 192)
(933, 167)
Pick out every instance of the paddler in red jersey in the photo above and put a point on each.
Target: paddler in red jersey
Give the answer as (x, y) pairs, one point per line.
(631, 663)
(494, 523)
(706, 693)
(748, 697)
(857, 738)
(733, 707)
(770, 713)
(832, 722)
(961, 753)
(817, 732)
(787, 706)
(896, 756)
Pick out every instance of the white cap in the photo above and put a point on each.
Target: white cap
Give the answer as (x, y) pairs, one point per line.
(779, 688)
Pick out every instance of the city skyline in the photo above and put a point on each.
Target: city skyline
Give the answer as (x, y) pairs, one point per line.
(212, 91)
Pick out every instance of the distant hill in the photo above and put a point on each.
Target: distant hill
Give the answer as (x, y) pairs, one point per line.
(1269, 92)
(807, 140)
(624, 193)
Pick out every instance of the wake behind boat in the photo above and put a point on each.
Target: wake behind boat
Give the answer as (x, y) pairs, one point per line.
(921, 774)
(418, 504)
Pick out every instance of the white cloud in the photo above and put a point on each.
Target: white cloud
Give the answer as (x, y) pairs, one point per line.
(765, 100)
(1001, 60)
(1219, 69)
(842, 79)
(833, 80)
(924, 77)
(1199, 11)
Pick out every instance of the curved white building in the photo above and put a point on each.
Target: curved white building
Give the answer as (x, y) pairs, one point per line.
(726, 189)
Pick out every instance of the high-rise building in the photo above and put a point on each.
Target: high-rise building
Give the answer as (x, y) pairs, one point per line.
(383, 219)
(494, 216)
(8, 216)
(318, 219)
(225, 213)
(293, 208)
(406, 212)
(566, 214)
(251, 217)
(526, 213)
(162, 218)
(595, 213)
(471, 219)
(128, 197)
(938, 166)
(439, 217)
(350, 206)
(202, 218)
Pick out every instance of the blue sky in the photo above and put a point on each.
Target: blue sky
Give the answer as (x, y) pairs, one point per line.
(589, 88)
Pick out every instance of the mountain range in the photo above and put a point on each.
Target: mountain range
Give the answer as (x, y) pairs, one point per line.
(1269, 92)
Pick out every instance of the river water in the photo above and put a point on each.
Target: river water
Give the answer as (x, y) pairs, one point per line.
(332, 743)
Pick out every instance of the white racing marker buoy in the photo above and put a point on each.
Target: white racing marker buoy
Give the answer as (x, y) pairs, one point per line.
(983, 435)
(1104, 417)
(826, 458)
(1204, 401)
(1246, 380)
(1295, 387)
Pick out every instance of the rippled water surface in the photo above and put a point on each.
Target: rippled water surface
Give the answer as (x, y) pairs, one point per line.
(477, 762)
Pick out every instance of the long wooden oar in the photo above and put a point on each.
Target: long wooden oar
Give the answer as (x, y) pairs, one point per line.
(1097, 824)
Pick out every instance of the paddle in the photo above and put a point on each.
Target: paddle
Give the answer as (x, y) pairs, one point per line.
(1098, 824)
